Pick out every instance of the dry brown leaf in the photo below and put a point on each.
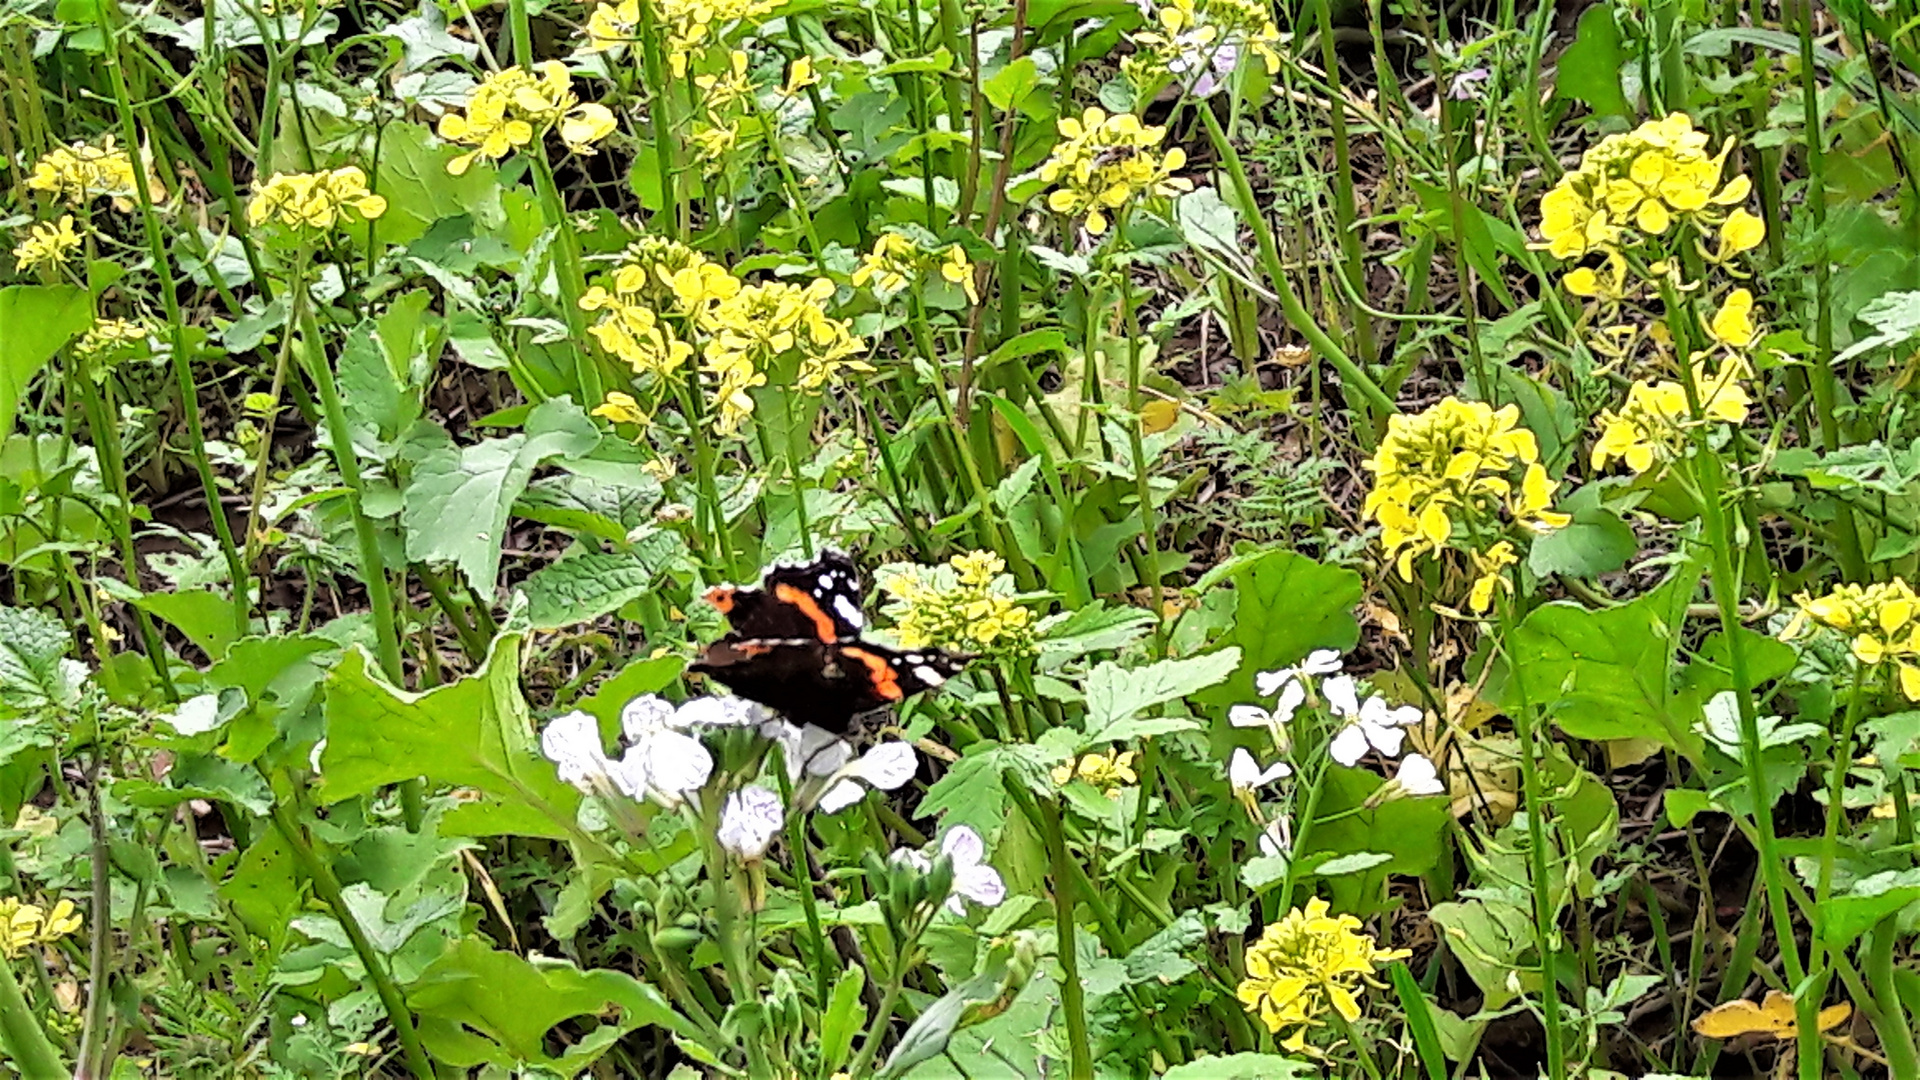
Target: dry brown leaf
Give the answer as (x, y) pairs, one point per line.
(1774, 1016)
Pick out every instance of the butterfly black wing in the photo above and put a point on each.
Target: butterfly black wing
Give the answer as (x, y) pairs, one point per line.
(817, 600)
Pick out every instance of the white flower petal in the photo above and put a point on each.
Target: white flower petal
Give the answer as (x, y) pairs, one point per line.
(1241, 768)
(572, 743)
(648, 712)
(750, 820)
(1418, 776)
(313, 756)
(840, 796)
(1349, 746)
(980, 884)
(910, 857)
(964, 847)
(676, 763)
(1274, 841)
(1404, 716)
(197, 714)
(1292, 696)
(1341, 696)
(821, 752)
(1268, 683)
(886, 766)
(1249, 716)
(1322, 662)
(1387, 740)
(718, 712)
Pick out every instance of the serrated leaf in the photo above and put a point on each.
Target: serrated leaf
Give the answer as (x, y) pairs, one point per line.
(456, 505)
(34, 674)
(413, 177)
(1116, 695)
(1094, 628)
(1846, 917)
(1159, 958)
(589, 585)
(972, 793)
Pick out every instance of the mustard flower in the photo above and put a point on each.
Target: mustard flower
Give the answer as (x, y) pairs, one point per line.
(1108, 772)
(897, 261)
(1106, 162)
(1638, 184)
(315, 200)
(1883, 620)
(1651, 426)
(620, 408)
(81, 172)
(109, 334)
(510, 108)
(1456, 464)
(687, 26)
(23, 925)
(967, 606)
(47, 244)
(1306, 963)
(1199, 42)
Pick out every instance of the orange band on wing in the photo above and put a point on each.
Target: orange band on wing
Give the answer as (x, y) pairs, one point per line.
(721, 597)
(886, 681)
(808, 606)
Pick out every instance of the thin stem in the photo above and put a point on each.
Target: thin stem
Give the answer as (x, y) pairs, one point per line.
(26, 1043)
(1072, 994)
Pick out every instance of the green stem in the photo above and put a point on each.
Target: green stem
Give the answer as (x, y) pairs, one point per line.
(1546, 928)
(1072, 994)
(328, 887)
(27, 1044)
(1896, 1034)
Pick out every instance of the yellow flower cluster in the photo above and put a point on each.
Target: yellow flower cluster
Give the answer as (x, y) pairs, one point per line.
(897, 262)
(1106, 162)
(510, 108)
(1884, 619)
(688, 25)
(81, 172)
(1108, 772)
(1651, 426)
(315, 200)
(22, 925)
(1455, 464)
(966, 605)
(108, 334)
(47, 244)
(1304, 963)
(1200, 41)
(1643, 181)
(743, 329)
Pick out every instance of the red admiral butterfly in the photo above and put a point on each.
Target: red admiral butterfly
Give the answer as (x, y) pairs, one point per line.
(795, 647)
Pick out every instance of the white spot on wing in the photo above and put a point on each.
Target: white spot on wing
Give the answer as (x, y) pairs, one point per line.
(849, 611)
(926, 674)
(826, 580)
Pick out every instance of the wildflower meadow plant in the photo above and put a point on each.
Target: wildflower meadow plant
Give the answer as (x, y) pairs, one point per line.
(1103, 163)
(1308, 965)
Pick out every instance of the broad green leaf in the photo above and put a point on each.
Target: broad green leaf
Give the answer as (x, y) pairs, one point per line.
(425, 38)
(1595, 542)
(1846, 917)
(845, 1016)
(455, 507)
(1607, 674)
(264, 889)
(1285, 606)
(1895, 318)
(642, 675)
(1208, 222)
(972, 794)
(203, 615)
(480, 1006)
(1094, 628)
(1116, 695)
(473, 733)
(35, 320)
(1161, 958)
(1406, 830)
(1590, 68)
(384, 366)
(413, 177)
(1242, 1067)
(34, 672)
(1488, 936)
(1009, 87)
(591, 584)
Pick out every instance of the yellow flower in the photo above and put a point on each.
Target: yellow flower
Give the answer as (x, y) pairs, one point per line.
(1638, 184)
(315, 200)
(1488, 567)
(81, 172)
(1884, 619)
(621, 409)
(1108, 772)
(1571, 225)
(47, 244)
(1733, 323)
(799, 76)
(23, 925)
(111, 334)
(509, 108)
(612, 25)
(1741, 231)
(1105, 162)
(958, 270)
(689, 26)
(586, 125)
(892, 265)
(1608, 283)
(967, 605)
(1306, 963)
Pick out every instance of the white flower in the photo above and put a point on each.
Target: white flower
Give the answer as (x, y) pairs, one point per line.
(1245, 774)
(750, 820)
(1417, 776)
(1342, 696)
(1274, 839)
(885, 767)
(644, 714)
(196, 715)
(719, 712)
(1292, 696)
(809, 750)
(572, 743)
(1374, 724)
(1318, 662)
(973, 879)
(665, 766)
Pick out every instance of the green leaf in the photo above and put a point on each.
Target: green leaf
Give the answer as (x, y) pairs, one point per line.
(1595, 542)
(1009, 87)
(1608, 674)
(479, 1006)
(1116, 695)
(455, 507)
(1094, 628)
(1208, 222)
(844, 1018)
(203, 615)
(642, 675)
(1285, 606)
(588, 585)
(34, 672)
(1845, 918)
(35, 320)
(972, 793)
(413, 177)
(1241, 1067)
(1160, 959)
(474, 733)
(1488, 936)
(1895, 318)
(384, 365)
(1590, 68)
(1405, 830)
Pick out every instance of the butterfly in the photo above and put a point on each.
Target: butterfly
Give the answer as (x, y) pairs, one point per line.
(795, 647)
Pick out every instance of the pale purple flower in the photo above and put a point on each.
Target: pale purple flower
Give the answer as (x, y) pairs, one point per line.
(750, 820)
